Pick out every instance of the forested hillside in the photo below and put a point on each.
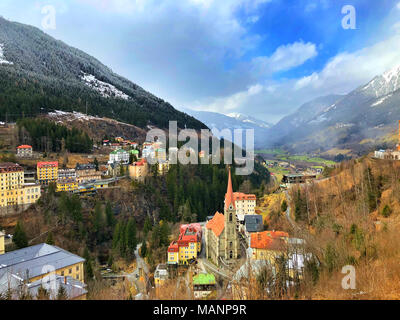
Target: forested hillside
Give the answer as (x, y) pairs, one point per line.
(48, 136)
(46, 74)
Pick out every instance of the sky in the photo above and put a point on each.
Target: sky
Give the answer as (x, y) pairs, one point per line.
(262, 58)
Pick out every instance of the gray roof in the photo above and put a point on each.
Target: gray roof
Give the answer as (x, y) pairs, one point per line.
(253, 223)
(73, 288)
(34, 259)
(85, 166)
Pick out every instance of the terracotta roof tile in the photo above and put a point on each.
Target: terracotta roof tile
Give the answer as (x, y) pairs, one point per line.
(216, 224)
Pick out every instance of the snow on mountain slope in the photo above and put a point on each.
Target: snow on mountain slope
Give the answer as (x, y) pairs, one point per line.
(248, 119)
(384, 84)
(105, 89)
(2, 59)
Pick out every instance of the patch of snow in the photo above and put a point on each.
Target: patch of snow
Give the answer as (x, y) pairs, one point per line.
(105, 89)
(319, 119)
(343, 125)
(380, 101)
(2, 59)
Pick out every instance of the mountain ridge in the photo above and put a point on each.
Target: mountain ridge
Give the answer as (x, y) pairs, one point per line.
(45, 74)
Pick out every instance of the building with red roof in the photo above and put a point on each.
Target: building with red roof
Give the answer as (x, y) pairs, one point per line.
(24, 151)
(188, 245)
(47, 172)
(268, 245)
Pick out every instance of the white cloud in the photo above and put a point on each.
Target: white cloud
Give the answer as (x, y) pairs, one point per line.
(343, 73)
(286, 57)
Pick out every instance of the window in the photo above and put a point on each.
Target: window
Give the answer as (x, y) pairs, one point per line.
(230, 217)
(70, 271)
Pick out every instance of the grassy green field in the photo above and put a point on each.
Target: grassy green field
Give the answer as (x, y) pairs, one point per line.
(308, 159)
(270, 151)
(279, 172)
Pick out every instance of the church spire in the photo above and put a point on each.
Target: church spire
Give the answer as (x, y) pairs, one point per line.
(229, 192)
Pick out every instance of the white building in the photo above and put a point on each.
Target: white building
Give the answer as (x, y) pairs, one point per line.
(24, 151)
(119, 156)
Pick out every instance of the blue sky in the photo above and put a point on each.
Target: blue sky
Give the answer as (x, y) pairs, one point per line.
(262, 57)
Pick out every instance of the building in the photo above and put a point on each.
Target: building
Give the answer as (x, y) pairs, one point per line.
(298, 178)
(139, 170)
(30, 263)
(387, 154)
(244, 203)
(161, 155)
(2, 242)
(222, 239)
(119, 156)
(253, 223)
(47, 172)
(148, 152)
(163, 167)
(24, 151)
(67, 185)
(66, 174)
(160, 275)
(86, 173)
(268, 245)
(173, 253)
(204, 284)
(13, 189)
(187, 247)
(44, 262)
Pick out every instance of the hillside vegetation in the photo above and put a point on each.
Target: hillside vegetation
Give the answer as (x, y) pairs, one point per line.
(352, 218)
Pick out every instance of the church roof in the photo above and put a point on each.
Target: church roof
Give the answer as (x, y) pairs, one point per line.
(216, 224)
(229, 198)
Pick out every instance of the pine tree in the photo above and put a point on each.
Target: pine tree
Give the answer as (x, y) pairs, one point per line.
(109, 215)
(62, 293)
(147, 226)
(143, 249)
(20, 239)
(50, 239)
(130, 236)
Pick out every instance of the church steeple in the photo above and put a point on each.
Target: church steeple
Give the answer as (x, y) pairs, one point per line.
(229, 193)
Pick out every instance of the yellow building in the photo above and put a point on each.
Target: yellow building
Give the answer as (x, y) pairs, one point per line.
(47, 172)
(139, 170)
(13, 191)
(67, 185)
(2, 244)
(41, 261)
(268, 245)
(188, 245)
(36, 262)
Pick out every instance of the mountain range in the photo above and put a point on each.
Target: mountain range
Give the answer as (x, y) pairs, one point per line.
(355, 123)
(233, 121)
(39, 74)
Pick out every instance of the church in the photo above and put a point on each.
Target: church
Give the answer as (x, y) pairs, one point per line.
(221, 235)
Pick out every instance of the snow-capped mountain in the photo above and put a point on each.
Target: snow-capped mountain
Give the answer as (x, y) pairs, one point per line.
(248, 119)
(233, 121)
(358, 121)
